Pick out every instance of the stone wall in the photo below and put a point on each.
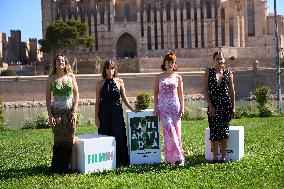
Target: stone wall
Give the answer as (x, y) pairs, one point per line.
(236, 58)
(33, 88)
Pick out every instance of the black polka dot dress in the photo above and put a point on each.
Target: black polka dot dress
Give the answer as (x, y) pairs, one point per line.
(221, 101)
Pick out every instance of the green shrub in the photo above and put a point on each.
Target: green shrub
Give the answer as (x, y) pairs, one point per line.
(248, 112)
(8, 73)
(186, 115)
(41, 122)
(143, 101)
(2, 116)
(80, 118)
(261, 94)
(266, 110)
(262, 98)
(232, 58)
(193, 114)
(200, 114)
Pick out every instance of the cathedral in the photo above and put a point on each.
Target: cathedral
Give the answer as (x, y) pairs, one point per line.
(148, 28)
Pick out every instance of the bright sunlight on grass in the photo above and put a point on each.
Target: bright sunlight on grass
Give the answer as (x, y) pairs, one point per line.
(26, 156)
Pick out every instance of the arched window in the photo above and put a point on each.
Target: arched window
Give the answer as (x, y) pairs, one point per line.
(188, 10)
(127, 13)
(169, 11)
(231, 32)
(222, 13)
(209, 10)
(102, 16)
(149, 43)
(188, 37)
(149, 13)
(250, 10)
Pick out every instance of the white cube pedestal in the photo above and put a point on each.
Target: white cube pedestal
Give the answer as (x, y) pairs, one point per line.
(235, 148)
(95, 153)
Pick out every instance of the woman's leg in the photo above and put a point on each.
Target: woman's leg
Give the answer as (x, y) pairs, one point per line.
(224, 144)
(214, 145)
(74, 156)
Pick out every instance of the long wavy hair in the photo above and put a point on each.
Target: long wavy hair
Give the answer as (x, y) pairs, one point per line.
(67, 69)
(170, 56)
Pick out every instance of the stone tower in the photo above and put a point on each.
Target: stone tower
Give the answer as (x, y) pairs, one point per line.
(14, 46)
(32, 49)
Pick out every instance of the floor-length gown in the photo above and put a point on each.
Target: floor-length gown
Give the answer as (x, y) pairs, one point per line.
(112, 121)
(64, 129)
(169, 107)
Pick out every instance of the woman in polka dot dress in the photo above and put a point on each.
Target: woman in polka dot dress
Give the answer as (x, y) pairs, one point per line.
(220, 95)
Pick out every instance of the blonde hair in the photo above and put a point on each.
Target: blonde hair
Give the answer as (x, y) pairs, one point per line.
(67, 69)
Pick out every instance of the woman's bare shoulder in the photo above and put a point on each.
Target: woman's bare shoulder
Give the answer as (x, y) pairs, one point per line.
(100, 82)
(119, 80)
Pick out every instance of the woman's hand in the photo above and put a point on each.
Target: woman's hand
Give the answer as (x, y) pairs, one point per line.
(156, 112)
(233, 112)
(181, 112)
(134, 110)
(51, 121)
(73, 117)
(211, 111)
(97, 122)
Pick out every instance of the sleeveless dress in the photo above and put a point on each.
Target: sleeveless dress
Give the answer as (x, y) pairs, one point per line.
(221, 101)
(112, 120)
(169, 107)
(61, 109)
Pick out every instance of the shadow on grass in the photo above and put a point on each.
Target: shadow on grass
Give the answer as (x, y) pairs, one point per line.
(191, 161)
(25, 172)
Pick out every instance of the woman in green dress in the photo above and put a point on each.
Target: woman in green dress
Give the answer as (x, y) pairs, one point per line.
(62, 103)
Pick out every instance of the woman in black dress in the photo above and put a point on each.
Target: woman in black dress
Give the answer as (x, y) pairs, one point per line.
(220, 95)
(109, 113)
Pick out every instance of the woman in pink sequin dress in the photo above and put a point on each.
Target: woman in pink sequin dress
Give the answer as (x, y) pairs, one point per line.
(169, 106)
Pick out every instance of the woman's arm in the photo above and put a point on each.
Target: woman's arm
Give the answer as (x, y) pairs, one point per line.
(180, 95)
(232, 92)
(48, 100)
(156, 93)
(123, 95)
(206, 95)
(48, 96)
(75, 94)
(97, 106)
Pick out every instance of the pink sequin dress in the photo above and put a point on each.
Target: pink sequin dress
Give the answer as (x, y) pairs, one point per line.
(169, 106)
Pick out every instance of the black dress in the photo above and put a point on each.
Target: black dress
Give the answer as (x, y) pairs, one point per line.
(112, 121)
(221, 101)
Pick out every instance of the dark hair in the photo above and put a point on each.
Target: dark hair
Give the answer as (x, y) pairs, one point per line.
(217, 53)
(220, 53)
(170, 56)
(107, 64)
(67, 68)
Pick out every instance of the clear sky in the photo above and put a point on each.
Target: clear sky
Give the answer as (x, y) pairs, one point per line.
(25, 15)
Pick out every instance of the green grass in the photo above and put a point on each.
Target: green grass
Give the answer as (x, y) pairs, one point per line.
(26, 154)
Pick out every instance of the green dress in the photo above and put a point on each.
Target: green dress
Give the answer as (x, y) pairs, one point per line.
(61, 109)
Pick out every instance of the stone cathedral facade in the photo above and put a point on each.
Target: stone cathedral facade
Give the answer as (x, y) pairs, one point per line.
(149, 28)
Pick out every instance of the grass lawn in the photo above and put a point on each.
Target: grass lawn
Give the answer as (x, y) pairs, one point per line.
(25, 157)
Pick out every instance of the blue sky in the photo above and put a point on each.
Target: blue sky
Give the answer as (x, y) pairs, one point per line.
(25, 15)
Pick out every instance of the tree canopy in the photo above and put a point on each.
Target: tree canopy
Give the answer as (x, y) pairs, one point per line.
(65, 36)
